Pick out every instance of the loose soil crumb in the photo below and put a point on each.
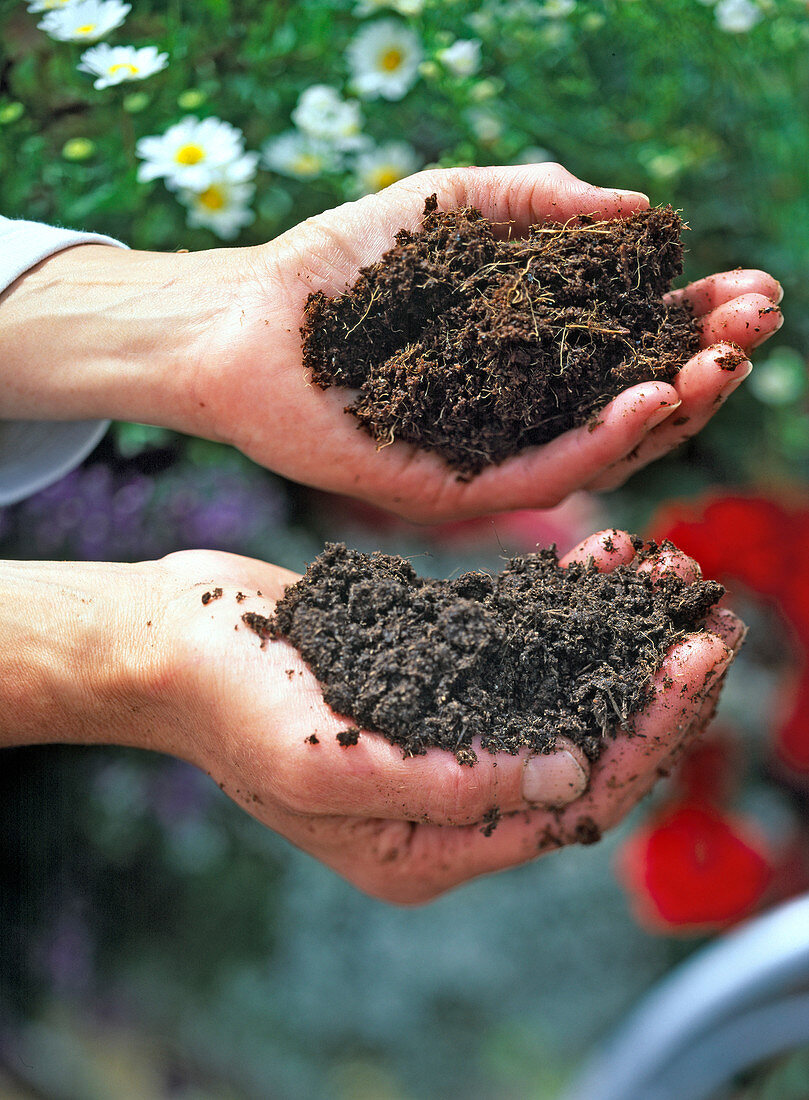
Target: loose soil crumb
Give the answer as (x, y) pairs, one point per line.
(348, 737)
(208, 596)
(514, 659)
(731, 360)
(477, 347)
(259, 624)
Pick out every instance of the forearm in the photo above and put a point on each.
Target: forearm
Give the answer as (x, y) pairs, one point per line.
(95, 331)
(77, 663)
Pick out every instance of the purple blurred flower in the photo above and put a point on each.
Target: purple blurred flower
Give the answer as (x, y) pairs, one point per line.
(96, 514)
(66, 954)
(178, 792)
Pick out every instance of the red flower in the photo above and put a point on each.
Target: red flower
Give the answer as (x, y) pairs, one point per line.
(751, 539)
(710, 770)
(694, 868)
(760, 544)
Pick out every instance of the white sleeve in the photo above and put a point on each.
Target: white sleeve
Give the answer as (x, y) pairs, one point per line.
(34, 453)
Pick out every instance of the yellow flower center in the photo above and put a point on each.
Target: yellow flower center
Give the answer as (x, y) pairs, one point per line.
(306, 164)
(88, 28)
(133, 70)
(391, 60)
(189, 154)
(384, 177)
(213, 198)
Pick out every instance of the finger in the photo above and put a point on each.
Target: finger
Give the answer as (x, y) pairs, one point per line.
(606, 548)
(669, 560)
(747, 321)
(542, 476)
(706, 294)
(727, 626)
(519, 194)
(629, 765)
(703, 385)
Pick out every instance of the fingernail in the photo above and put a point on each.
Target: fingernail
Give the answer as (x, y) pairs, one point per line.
(759, 339)
(660, 414)
(780, 297)
(728, 626)
(741, 372)
(553, 779)
(629, 194)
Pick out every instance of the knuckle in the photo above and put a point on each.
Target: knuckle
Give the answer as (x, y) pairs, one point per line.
(460, 799)
(296, 786)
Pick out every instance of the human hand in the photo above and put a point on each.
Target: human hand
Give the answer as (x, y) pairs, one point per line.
(307, 436)
(402, 829)
(208, 343)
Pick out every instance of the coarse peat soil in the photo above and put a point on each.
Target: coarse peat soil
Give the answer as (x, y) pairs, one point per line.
(514, 658)
(475, 346)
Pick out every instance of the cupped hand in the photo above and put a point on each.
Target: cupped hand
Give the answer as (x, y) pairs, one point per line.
(258, 397)
(401, 829)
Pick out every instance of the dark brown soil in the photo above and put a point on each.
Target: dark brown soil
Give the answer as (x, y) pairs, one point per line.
(513, 659)
(477, 347)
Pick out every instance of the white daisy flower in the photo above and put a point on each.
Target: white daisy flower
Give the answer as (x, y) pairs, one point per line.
(322, 114)
(380, 167)
(737, 16)
(48, 5)
(300, 156)
(192, 153)
(403, 7)
(84, 20)
(462, 58)
(558, 9)
(221, 207)
(535, 154)
(384, 59)
(115, 64)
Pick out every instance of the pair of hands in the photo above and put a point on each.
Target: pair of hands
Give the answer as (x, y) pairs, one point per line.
(209, 343)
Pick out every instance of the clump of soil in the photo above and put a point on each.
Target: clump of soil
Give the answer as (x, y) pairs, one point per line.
(477, 347)
(514, 659)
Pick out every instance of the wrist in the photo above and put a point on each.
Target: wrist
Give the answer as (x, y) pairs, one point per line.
(96, 331)
(79, 656)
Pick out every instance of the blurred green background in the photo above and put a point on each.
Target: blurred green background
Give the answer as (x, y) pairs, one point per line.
(156, 942)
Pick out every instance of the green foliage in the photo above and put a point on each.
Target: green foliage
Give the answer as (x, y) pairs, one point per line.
(654, 96)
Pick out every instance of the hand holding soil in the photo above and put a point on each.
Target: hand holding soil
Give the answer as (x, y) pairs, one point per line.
(404, 829)
(735, 310)
(209, 343)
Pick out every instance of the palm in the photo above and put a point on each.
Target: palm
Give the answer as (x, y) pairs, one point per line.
(266, 406)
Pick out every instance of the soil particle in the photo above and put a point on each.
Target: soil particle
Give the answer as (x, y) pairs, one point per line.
(490, 820)
(312, 739)
(513, 659)
(214, 595)
(348, 737)
(587, 831)
(259, 624)
(731, 360)
(477, 347)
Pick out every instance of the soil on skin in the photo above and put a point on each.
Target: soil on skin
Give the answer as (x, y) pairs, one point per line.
(514, 659)
(477, 347)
